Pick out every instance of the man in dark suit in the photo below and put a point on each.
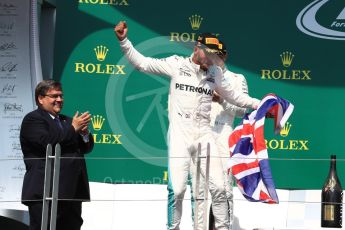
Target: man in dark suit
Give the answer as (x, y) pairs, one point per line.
(44, 126)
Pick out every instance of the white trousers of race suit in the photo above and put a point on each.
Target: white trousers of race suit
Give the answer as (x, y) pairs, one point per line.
(221, 132)
(184, 138)
(222, 120)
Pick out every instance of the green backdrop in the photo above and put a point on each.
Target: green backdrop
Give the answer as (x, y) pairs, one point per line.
(130, 108)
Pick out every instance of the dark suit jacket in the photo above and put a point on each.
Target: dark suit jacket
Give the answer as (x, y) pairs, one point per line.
(38, 129)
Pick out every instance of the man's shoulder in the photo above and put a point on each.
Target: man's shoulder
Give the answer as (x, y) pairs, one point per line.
(33, 114)
(37, 114)
(230, 74)
(177, 58)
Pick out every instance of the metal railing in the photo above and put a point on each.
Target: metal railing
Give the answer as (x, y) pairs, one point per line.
(51, 187)
(52, 171)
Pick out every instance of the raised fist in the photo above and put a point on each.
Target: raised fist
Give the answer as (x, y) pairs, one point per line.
(121, 30)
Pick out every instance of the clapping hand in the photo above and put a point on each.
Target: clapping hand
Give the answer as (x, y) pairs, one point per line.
(81, 122)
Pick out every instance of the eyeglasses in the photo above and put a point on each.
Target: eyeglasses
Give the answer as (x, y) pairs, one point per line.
(54, 96)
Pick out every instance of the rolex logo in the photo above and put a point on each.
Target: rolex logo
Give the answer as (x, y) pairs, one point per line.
(195, 21)
(285, 130)
(97, 122)
(101, 52)
(286, 74)
(286, 58)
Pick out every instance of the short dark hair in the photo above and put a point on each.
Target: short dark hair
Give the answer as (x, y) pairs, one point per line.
(44, 86)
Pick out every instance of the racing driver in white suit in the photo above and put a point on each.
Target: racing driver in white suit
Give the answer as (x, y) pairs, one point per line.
(191, 91)
(222, 121)
(223, 115)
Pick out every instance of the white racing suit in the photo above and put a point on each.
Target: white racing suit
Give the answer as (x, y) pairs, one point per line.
(222, 119)
(191, 91)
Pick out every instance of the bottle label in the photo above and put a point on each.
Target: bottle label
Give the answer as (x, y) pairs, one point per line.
(329, 212)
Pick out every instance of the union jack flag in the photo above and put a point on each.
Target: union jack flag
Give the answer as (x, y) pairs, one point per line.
(248, 153)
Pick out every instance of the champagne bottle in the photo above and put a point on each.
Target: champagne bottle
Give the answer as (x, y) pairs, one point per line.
(332, 199)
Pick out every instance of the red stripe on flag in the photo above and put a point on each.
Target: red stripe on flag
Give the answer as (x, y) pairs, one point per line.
(259, 140)
(238, 168)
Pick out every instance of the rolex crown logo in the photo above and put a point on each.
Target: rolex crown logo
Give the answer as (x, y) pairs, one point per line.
(97, 122)
(101, 52)
(195, 21)
(286, 58)
(285, 130)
